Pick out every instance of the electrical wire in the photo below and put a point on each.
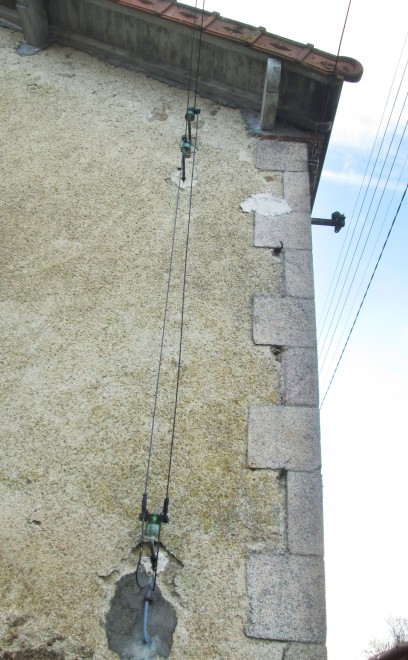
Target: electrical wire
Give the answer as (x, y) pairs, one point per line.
(364, 224)
(333, 74)
(322, 324)
(340, 341)
(365, 244)
(364, 297)
(166, 306)
(163, 516)
(349, 223)
(183, 299)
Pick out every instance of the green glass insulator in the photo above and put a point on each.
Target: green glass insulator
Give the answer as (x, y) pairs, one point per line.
(186, 148)
(153, 526)
(190, 114)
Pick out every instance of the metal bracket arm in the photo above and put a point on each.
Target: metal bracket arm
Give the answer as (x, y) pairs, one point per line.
(338, 220)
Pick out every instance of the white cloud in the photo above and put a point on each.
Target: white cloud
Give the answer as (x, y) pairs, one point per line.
(352, 178)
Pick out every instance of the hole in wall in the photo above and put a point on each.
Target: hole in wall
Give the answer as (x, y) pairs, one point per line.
(124, 621)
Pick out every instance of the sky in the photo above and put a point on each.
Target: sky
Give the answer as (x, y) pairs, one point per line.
(363, 419)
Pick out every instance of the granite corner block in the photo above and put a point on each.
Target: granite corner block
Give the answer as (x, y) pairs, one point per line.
(292, 229)
(306, 652)
(286, 598)
(305, 513)
(284, 321)
(283, 437)
(281, 156)
(296, 189)
(298, 273)
(300, 384)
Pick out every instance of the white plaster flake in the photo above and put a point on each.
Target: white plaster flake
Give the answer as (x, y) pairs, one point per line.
(266, 205)
(161, 564)
(176, 178)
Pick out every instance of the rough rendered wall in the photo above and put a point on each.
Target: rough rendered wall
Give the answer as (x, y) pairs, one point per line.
(88, 201)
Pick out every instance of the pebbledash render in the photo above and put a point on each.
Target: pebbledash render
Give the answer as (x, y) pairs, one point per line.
(93, 111)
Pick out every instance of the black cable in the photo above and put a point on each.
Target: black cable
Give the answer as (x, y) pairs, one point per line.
(185, 269)
(365, 295)
(359, 238)
(192, 55)
(368, 263)
(162, 338)
(166, 299)
(163, 515)
(366, 241)
(362, 204)
(349, 224)
(333, 74)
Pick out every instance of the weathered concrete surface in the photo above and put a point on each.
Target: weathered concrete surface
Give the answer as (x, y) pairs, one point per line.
(87, 206)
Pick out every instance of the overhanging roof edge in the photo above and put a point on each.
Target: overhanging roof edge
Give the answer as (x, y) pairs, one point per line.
(249, 37)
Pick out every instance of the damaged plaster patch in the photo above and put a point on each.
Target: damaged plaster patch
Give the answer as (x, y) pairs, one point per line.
(123, 616)
(124, 621)
(266, 205)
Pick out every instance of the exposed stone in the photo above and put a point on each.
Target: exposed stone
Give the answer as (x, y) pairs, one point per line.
(268, 650)
(297, 190)
(284, 321)
(300, 377)
(305, 513)
(292, 229)
(286, 598)
(298, 273)
(305, 652)
(283, 156)
(283, 437)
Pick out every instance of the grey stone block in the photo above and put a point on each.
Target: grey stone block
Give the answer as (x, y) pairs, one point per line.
(284, 322)
(306, 652)
(300, 385)
(296, 190)
(293, 229)
(283, 437)
(281, 156)
(286, 598)
(298, 270)
(265, 650)
(305, 513)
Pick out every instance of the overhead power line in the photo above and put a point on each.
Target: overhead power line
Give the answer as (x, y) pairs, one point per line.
(365, 296)
(328, 305)
(346, 323)
(353, 277)
(340, 297)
